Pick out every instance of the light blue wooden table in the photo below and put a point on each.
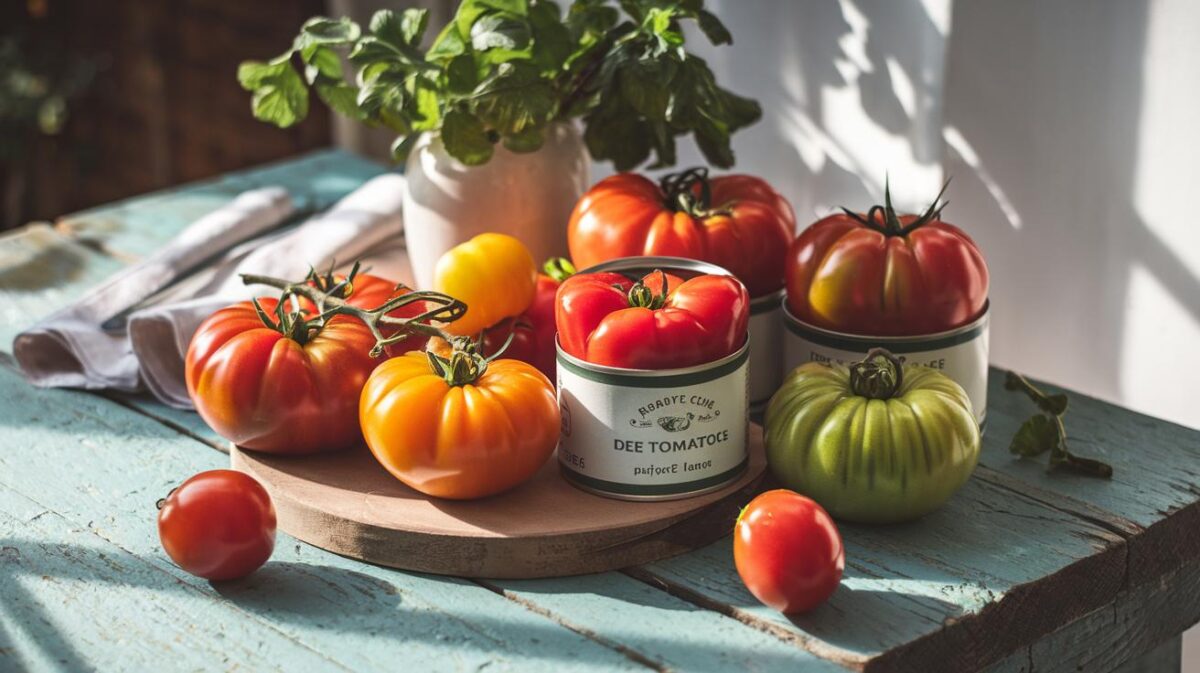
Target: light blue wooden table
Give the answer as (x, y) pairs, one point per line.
(1021, 571)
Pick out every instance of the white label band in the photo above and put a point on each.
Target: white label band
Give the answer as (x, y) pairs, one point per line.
(635, 436)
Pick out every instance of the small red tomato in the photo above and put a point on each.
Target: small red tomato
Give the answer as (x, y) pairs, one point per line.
(219, 525)
(788, 551)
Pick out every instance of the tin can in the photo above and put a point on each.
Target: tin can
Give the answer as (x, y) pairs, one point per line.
(642, 434)
(766, 348)
(960, 353)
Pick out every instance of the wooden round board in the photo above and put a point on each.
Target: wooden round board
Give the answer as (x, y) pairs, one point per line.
(347, 503)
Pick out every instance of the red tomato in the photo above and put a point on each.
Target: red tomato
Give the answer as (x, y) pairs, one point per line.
(606, 319)
(533, 331)
(290, 391)
(219, 525)
(267, 391)
(737, 222)
(881, 274)
(787, 551)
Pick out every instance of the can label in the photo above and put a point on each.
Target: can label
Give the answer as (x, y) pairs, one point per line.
(766, 344)
(642, 435)
(961, 354)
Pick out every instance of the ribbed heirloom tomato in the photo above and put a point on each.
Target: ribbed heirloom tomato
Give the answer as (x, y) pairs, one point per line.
(284, 384)
(459, 427)
(737, 222)
(877, 441)
(880, 274)
(659, 322)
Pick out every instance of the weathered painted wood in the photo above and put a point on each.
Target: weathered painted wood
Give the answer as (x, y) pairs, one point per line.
(137, 226)
(184, 421)
(101, 467)
(965, 586)
(665, 630)
(1154, 496)
(1166, 658)
(41, 271)
(1135, 632)
(75, 602)
(925, 589)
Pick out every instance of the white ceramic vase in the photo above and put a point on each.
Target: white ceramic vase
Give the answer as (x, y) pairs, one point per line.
(529, 196)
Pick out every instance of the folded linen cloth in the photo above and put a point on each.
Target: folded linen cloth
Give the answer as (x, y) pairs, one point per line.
(80, 346)
(366, 224)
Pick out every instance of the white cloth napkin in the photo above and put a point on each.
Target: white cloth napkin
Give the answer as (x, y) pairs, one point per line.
(364, 225)
(80, 346)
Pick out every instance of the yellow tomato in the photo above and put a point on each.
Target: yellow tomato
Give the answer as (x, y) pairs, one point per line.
(493, 274)
(462, 440)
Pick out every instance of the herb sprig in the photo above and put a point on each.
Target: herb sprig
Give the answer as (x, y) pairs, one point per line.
(503, 70)
(1046, 431)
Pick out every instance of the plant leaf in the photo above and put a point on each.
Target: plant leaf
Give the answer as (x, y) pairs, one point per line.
(279, 97)
(323, 30)
(716, 31)
(253, 74)
(1036, 436)
(449, 44)
(497, 31)
(465, 138)
(402, 147)
(321, 62)
(460, 74)
(515, 99)
(1054, 404)
(413, 25)
(529, 140)
(343, 98)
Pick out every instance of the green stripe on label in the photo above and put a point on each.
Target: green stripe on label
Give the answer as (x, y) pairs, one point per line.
(654, 489)
(688, 379)
(862, 345)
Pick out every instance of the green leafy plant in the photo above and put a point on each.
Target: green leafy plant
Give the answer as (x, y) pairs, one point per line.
(504, 70)
(1045, 431)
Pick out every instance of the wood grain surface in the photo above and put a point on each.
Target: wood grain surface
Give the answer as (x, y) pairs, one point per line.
(347, 503)
(1023, 570)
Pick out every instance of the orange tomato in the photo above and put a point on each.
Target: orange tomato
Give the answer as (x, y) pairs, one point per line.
(459, 439)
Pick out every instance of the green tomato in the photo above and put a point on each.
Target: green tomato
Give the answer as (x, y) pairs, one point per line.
(875, 442)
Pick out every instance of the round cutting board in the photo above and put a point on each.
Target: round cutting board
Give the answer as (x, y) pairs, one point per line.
(347, 503)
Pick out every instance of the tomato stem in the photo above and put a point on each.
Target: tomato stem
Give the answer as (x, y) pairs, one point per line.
(885, 220)
(445, 309)
(641, 296)
(877, 376)
(559, 268)
(680, 191)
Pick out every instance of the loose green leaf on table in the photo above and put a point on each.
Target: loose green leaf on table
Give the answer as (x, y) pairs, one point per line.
(1046, 432)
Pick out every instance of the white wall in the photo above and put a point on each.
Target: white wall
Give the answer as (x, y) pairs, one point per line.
(1070, 129)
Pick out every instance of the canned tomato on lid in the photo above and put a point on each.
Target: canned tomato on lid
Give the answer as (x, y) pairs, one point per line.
(640, 434)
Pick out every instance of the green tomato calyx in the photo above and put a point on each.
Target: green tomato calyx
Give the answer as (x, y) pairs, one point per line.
(464, 366)
(885, 220)
(641, 296)
(877, 376)
(690, 192)
(559, 268)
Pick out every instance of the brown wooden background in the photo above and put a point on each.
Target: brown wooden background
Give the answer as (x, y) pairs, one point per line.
(165, 106)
